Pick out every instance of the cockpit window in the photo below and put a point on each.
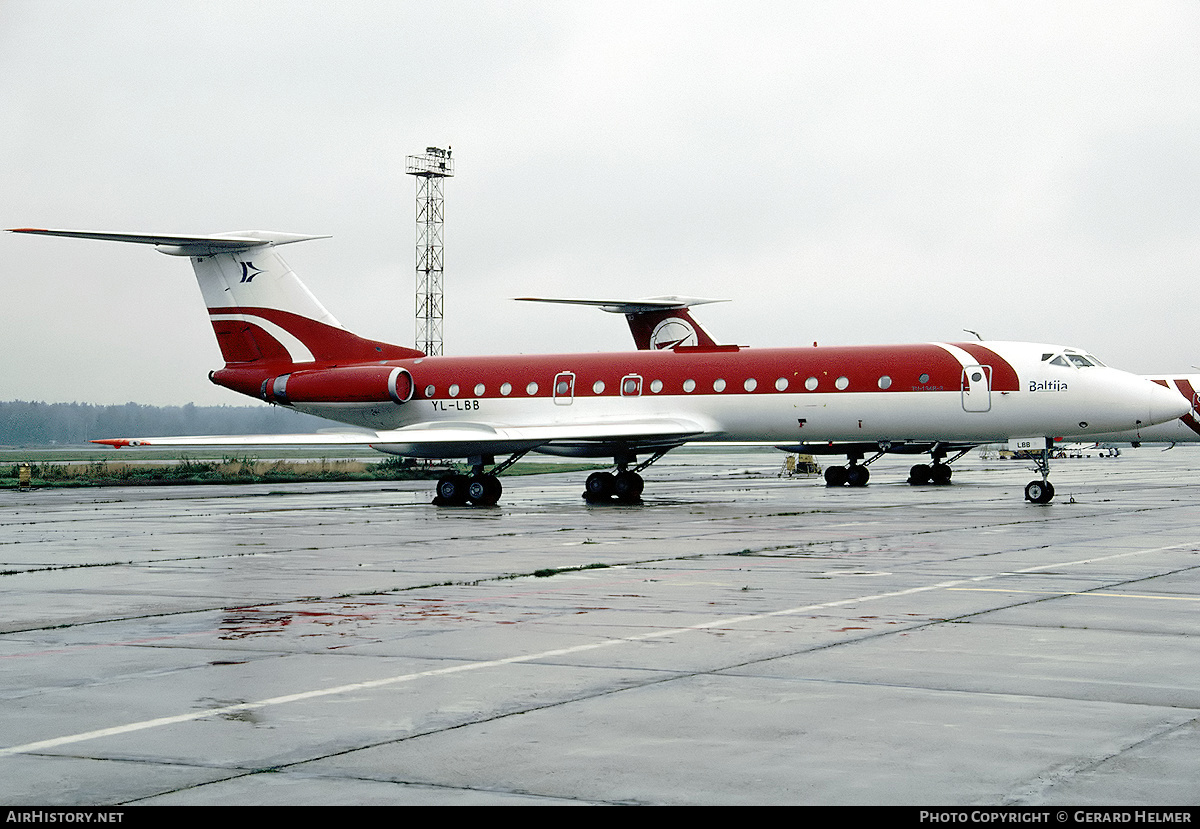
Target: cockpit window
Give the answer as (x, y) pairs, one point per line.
(1072, 360)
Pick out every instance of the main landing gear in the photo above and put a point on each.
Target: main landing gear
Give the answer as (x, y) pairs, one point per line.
(938, 472)
(624, 486)
(853, 473)
(480, 488)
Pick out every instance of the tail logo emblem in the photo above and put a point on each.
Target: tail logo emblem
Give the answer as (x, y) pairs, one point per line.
(671, 332)
(249, 271)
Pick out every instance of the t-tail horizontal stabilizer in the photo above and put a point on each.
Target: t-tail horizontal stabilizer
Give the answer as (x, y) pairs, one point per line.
(655, 322)
(178, 245)
(265, 319)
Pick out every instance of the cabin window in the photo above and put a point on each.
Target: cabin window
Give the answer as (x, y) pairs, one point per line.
(657, 385)
(718, 385)
(841, 383)
(924, 378)
(811, 383)
(480, 389)
(531, 389)
(750, 385)
(781, 384)
(885, 382)
(506, 389)
(454, 389)
(689, 385)
(429, 390)
(598, 387)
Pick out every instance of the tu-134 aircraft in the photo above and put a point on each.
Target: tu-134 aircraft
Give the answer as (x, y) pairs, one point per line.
(281, 345)
(665, 321)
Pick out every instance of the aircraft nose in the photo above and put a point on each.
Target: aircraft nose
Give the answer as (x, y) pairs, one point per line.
(1165, 404)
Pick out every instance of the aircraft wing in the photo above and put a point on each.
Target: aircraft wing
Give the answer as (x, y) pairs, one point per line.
(461, 439)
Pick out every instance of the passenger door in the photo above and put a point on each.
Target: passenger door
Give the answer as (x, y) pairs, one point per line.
(977, 388)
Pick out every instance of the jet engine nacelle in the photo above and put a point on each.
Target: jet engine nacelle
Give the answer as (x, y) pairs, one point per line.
(349, 384)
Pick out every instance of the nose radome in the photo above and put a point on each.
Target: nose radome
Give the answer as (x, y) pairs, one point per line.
(1165, 404)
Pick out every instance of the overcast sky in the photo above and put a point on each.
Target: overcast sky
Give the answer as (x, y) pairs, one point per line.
(843, 172)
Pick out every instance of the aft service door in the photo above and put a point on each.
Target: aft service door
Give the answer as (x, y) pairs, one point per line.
(977, 388)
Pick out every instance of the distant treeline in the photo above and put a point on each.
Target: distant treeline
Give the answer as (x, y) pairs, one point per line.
(41, 424)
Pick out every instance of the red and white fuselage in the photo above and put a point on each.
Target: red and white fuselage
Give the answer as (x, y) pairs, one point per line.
(281, 345)
(976, 392)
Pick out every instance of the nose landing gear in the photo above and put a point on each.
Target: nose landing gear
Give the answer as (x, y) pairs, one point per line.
(1040, 492)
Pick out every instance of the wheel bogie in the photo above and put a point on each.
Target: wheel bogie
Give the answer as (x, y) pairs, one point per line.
(602, 487)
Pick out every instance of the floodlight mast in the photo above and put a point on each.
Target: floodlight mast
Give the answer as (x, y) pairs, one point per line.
(429, 170)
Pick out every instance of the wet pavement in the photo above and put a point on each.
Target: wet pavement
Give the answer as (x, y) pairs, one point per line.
(738, 638)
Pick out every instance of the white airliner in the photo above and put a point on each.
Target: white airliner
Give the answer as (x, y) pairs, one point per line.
(281, 345)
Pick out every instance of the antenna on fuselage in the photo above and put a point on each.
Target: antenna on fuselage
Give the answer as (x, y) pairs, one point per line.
(976, 333)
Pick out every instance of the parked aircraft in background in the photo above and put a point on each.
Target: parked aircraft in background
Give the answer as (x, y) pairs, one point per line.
(1184, 429)
(282, 346)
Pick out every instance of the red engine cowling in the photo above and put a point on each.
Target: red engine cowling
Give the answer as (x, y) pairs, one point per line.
(347, 384)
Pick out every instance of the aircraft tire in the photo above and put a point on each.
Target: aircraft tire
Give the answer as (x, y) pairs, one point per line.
(628, 486)
(836, 475)
(940, 474)
(857, 476)
(599, 485)
(484, 490)
(1039, 492)
(919, 474)
(452, 490)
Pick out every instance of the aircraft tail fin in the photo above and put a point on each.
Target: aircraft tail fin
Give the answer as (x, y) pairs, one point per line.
(261, 313)
(655, 322)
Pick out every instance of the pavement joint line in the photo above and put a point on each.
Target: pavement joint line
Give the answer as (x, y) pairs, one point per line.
(42, 745)
(1095, 593)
